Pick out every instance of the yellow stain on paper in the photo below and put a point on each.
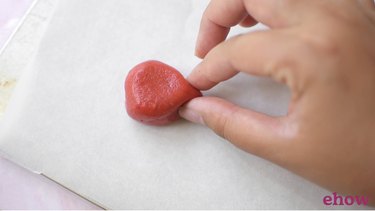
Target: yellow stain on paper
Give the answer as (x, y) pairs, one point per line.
(6, 87)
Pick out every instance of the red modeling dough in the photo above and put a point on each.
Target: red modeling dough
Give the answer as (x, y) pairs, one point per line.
(154, 91)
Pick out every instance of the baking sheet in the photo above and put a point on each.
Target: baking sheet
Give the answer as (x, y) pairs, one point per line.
(67, 117)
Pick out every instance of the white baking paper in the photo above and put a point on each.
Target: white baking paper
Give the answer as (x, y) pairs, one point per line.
(67, 118)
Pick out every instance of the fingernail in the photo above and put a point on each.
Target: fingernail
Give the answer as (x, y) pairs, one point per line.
(191, 115)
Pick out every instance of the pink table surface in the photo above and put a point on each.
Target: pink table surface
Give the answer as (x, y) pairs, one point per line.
(20, 188)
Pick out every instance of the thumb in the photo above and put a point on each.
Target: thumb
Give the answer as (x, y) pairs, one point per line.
(251, 131)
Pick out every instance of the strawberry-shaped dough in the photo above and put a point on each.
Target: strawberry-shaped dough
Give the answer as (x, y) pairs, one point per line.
(154, 91)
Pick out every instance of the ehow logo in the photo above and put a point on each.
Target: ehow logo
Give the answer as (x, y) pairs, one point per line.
(336, 199)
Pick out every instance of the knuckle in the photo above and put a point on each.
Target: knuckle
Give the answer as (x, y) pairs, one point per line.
(327, 51)
(220, 125)
(326, 44)
(223, 125)
(286, 70)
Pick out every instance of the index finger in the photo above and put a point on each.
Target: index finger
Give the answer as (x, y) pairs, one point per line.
(273, 54)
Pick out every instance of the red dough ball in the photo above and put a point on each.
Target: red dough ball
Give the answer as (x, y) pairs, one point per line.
(154, 91)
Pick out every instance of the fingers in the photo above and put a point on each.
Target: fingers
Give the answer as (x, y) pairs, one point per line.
(269, 53)
(276, 13)
(221, 15)
(217, 19)
(251, 131)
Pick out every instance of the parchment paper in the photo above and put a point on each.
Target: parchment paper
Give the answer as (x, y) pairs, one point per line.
(67, 118)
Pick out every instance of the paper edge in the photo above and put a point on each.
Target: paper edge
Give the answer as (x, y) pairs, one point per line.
(19, 25)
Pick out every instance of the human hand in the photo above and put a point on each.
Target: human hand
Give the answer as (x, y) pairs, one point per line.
(324, 51)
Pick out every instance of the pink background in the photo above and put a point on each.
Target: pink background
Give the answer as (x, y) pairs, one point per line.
(20, 188)
(11, 11)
